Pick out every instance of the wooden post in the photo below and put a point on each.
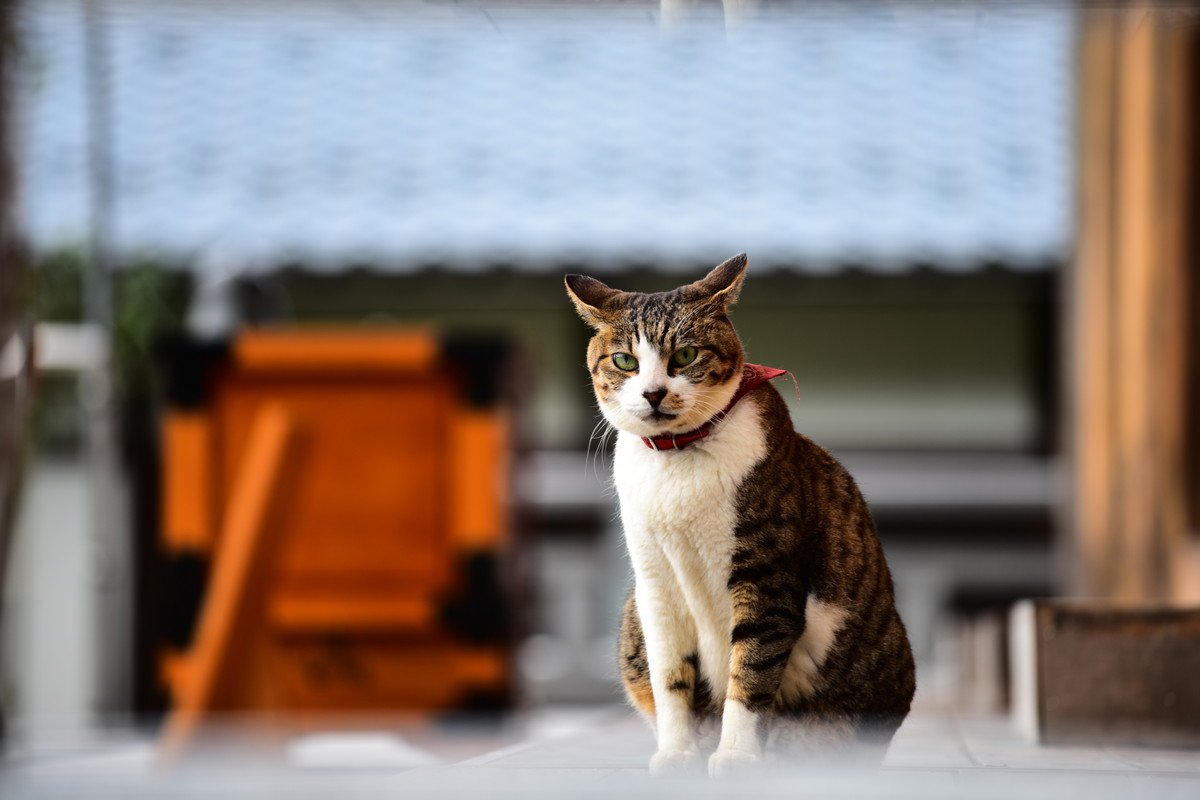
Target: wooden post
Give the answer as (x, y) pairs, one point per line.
(1176, 408)
(1088, 291)
(1128, 308)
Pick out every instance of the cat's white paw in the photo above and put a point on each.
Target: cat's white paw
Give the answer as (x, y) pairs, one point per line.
(674, 762)
(724, 763)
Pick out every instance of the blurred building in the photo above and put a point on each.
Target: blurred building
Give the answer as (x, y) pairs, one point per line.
(902, 178)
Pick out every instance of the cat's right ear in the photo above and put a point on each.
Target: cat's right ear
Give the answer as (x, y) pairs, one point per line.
(593, 300)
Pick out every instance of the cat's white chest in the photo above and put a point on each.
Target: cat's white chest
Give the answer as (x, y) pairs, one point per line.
(679, 510)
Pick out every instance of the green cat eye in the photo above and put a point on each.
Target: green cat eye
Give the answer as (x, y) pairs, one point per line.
(625, 361)
(684, 356)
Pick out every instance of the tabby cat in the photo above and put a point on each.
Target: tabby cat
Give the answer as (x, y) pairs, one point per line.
(762, 603)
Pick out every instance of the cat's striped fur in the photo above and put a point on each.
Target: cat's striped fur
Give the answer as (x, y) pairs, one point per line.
(761, 592)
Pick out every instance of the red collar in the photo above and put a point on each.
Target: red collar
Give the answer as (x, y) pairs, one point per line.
(753, 376)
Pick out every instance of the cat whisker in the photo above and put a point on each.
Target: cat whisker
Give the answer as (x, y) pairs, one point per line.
(600, 446)
(707, 407)
(591, 436)
(603, 448)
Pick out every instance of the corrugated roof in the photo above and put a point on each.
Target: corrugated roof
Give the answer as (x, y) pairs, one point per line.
(333, 134)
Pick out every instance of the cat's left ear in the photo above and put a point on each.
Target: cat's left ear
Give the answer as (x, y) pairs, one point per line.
(724, 283)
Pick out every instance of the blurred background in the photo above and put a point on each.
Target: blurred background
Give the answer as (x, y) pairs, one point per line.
(292, 413)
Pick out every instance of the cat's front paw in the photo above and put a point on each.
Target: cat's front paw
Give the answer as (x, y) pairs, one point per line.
(675, 762)
(724, 763)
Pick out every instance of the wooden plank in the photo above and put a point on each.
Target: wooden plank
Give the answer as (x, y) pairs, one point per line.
(188, 498)
(1113, 675)
(237, 579)
(345, 613)
(479, 479)
(336, 351)
(363, 674)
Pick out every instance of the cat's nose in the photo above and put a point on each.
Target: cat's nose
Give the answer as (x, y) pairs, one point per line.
(655, 397)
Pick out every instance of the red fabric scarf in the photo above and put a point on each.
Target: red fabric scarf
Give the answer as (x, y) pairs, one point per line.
(753, 376)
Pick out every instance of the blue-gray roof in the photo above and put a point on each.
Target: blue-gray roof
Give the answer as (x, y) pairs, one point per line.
(335, 134)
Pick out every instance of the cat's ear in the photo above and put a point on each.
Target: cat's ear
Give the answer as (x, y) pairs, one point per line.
(594, 300)
(724, 283)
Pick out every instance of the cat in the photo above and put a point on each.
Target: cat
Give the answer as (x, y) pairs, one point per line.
(762, 603)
